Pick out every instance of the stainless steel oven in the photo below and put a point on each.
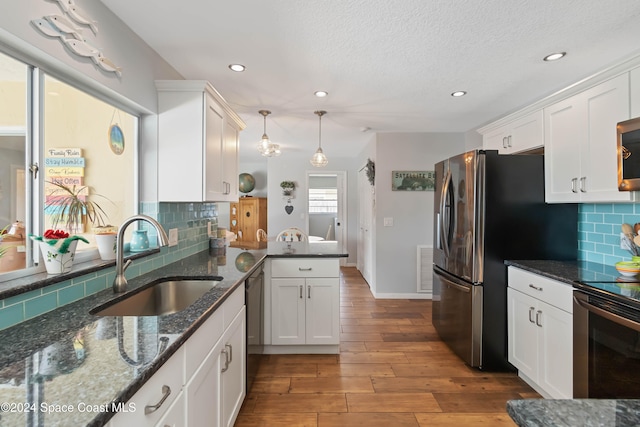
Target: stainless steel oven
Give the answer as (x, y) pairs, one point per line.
(606, 342)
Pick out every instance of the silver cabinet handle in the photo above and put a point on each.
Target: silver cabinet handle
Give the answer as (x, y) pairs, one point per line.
(300, 291)
(166, 391)
(228, 357)
(531, 310)
(305, 269)
(308, 291)
(583, 184)
(509, 141)
(537, 288)
(574, 182)
(538, 316)
(504, 142)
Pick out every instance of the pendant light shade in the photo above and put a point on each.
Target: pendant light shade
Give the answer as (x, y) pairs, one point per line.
(319, 160)
(265, 146)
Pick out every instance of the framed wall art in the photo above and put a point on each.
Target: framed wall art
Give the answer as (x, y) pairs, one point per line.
(413, 180)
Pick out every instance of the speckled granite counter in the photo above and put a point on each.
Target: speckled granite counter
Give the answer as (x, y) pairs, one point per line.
(69, 357)
(576, 412)
(568, 271)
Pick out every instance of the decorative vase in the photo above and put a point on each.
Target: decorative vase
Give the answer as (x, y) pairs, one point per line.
(139, 241)
(106, 245)
(56, 262)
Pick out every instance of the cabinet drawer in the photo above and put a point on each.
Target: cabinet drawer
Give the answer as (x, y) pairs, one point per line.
(305, 267)
(552, 292)
(152, 392)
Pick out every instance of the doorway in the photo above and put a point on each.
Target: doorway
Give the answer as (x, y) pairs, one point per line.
(326, 206)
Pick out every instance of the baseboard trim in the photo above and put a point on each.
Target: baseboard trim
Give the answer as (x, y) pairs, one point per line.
(422, 295)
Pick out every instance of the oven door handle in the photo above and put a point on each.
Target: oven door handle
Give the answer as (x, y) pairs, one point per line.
(607, 315)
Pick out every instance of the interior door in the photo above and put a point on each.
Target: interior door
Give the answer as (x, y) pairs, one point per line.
(365, 216)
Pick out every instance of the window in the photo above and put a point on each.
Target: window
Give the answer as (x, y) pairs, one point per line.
(71, 146)
(323, 200)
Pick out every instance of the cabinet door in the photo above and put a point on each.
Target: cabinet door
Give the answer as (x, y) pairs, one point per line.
(322, 311)
(214, 188)
(634, 89)
(287, 311)
(203, 391)
(249, 219)
(605, 106)
(555, 356)
(496, 140)
(522, 333)
(229, 161)
(526, 133)
(233, 370)
(564, 132)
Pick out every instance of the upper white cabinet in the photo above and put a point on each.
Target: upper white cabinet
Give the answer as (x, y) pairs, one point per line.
(580, 144)
(634, 89)
(197, 143)
(520, 134)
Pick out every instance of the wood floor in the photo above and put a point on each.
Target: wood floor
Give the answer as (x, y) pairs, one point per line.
(392, 370)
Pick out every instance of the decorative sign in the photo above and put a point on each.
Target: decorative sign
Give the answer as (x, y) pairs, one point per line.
(64, 161)
(64, 152)
(65, 172)
(413, 180)
(68, 181)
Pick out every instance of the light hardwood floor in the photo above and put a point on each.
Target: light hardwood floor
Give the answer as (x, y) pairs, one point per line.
(392, 371)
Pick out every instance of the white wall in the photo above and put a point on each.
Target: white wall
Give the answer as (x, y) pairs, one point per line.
(472, 140)
(412, 212)
(289, 167)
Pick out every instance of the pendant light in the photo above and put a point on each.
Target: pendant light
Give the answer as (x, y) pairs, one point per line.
(265, 146)
(319, 160)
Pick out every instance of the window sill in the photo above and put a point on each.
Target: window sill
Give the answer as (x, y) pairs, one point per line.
(41, 279)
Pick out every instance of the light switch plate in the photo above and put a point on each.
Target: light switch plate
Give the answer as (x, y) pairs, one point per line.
(388, 222)
(173, 237)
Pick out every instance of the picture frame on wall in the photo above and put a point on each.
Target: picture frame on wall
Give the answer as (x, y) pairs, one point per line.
(413, 180)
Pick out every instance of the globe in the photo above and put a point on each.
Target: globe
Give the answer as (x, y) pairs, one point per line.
(246, 183)
(245, 261)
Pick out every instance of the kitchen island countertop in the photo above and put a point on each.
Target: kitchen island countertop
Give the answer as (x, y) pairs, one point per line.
(68, 357)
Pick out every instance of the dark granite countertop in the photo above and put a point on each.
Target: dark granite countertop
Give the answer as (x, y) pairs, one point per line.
(575, 412)
(568, 271)
(69, 357)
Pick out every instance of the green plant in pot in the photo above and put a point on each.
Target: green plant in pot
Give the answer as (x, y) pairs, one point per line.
(287, 187)
(73, 206)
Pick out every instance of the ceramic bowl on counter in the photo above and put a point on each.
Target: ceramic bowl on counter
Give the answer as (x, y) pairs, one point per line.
(628, 268)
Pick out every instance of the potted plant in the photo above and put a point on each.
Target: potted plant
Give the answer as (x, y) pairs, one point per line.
(73, 207)
(58, 250)
(287, 187)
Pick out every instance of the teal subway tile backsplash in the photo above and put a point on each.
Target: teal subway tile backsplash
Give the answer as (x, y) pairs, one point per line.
(191, 220)
(599, 231)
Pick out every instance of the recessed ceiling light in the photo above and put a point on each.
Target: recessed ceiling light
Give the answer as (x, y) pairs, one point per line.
(321, 93)
(554, 56)
(459, 93)
(237, 67)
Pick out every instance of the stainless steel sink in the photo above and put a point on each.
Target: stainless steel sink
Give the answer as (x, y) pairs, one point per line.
(165, 297)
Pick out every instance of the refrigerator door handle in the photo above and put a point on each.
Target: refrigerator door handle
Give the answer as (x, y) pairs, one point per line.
(444, 232)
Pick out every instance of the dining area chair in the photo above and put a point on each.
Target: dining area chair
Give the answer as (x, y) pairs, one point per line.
(292, 234)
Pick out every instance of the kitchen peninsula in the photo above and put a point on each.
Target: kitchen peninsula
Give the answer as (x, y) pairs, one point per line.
(89, 365)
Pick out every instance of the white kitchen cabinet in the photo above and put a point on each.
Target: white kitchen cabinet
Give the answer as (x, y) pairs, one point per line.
(580, 144)
(540, 332)
(155, 397)
(305, 301)
(521, 134)
(197, 143)
(206, 377)
(634, 90)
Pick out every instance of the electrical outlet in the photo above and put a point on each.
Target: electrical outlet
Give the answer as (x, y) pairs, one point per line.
(173, 237)
(388, 222)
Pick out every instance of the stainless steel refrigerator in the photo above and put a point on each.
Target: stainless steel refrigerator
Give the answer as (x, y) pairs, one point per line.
(490, 208)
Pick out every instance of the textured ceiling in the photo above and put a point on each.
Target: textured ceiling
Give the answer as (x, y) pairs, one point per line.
(388, 65)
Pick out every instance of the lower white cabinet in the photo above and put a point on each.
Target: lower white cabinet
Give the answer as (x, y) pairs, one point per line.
(204, 381)
(540, 332)
(305, 301)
